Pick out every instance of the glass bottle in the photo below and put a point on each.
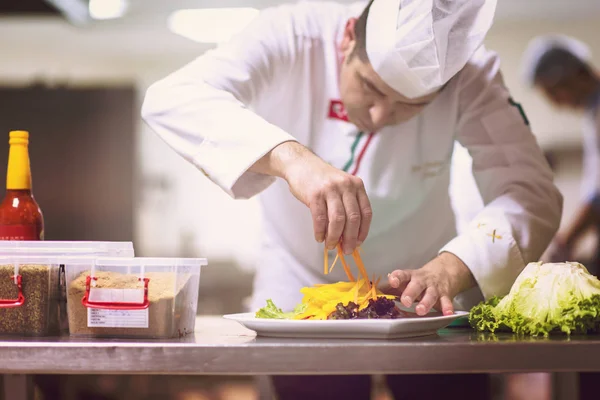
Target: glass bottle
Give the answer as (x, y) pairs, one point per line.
(20, 215)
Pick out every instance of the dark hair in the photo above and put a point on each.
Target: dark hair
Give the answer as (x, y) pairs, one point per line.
(360, 34)
(557, 65)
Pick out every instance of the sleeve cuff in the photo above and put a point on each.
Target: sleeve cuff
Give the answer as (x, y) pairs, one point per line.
(492, 255)
(227, 163)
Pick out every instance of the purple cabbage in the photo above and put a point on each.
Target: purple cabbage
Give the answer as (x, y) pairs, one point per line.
(382, 308)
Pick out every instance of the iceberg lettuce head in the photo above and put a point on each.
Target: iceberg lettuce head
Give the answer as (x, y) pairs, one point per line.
(545, 298)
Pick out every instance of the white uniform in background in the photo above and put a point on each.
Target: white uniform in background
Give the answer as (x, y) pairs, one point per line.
(278, 81)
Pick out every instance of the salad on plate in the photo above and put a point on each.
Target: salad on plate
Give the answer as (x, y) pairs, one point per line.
(353, 299)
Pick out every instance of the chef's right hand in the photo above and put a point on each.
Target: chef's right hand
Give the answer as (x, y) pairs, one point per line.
(560, 250)
(338, 202)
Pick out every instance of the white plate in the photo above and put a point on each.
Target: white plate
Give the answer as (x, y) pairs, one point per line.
(346, 329)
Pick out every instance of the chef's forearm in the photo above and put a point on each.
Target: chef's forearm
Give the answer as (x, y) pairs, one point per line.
(282, 158)
(583, 219)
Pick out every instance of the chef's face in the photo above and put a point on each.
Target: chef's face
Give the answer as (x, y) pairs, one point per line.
(369, 102)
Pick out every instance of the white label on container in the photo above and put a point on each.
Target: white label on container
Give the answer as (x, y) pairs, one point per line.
(116, 295)
(101, 318)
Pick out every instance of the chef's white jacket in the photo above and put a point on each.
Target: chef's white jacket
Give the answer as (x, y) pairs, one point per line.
(278, 81)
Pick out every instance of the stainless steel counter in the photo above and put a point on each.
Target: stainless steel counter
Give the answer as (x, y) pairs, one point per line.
(224, 347)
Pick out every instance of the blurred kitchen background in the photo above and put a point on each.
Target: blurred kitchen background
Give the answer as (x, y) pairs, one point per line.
(74, 73)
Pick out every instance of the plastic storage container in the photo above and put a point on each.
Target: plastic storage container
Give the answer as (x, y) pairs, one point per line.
(52, 254)
(28, 295)
(133, 297)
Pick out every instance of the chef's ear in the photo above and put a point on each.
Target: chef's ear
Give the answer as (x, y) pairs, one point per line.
(349, 40)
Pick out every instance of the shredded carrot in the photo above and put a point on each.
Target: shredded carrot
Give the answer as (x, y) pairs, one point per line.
(360, 265)
(373, 289)
(371, 284)
(334, 262)
(377, 281)
(344, 264)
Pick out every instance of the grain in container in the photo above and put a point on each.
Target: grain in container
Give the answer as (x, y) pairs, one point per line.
(27, 296)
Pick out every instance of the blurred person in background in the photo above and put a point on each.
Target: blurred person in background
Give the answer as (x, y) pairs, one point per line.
(356, 108)
(559, 67)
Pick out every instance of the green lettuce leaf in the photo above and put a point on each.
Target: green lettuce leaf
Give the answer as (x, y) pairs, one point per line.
(545, 299)
(273, 312)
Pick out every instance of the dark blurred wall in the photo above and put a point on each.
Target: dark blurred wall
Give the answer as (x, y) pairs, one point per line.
(82, 157)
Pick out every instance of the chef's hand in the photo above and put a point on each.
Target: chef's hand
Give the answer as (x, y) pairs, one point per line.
(434, 285)
(338, 202)
(560, 250)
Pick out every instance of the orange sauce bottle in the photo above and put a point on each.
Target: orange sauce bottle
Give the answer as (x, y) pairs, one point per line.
(20, 215)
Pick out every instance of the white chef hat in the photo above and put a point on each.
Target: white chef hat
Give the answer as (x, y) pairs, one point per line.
(416, 46)
(541, 45)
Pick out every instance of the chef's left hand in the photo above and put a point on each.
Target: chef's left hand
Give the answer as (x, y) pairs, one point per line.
(433, 285)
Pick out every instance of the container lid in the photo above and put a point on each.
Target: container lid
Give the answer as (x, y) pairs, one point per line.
(64, 244)
(30, 259)
(8, 247)
(85, 259)
(149, 261)
(49, 252)
(110, 246)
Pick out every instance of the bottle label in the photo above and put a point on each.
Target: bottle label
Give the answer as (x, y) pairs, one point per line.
(19, 232)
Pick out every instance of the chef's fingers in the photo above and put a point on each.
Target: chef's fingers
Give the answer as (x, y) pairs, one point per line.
(398, 280)
(428, 301)
(393, 285)
(318, 210)
(353, 221)
(446, 306)
(366, 213)
(413, 290)
(336, 220)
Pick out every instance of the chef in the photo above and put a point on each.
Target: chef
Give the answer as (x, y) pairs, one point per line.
(343, 118)
(559, 66)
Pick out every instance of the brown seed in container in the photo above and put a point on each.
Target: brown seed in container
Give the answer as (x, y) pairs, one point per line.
(33, 317)
(168, 314)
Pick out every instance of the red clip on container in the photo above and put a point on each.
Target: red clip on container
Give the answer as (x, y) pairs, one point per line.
(114, 305)
(20, 300)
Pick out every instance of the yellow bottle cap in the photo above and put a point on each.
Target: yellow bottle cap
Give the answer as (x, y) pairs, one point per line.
(18, 137)
(19, 134)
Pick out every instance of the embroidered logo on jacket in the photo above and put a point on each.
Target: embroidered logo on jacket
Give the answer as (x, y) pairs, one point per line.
(337, 110)
(494, 236)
